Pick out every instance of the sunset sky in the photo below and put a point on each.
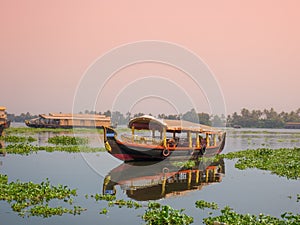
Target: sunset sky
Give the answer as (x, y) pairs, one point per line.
(251, 47)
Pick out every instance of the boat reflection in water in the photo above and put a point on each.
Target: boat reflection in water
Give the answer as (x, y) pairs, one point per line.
(151, 181)
(2, 148)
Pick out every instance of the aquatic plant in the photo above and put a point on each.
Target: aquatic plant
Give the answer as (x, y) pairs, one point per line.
(29, 130)
(68, 140)
(123, 203)
(104, 211)
(47, 211)
(157, 214)
(228, 216)
(21, 148)
(101, 197)
(31, 199)
(185, 164)
(112, 201)
(201, 204)
(282, 162)
(16, 139)
(25, 149)
(70, 149)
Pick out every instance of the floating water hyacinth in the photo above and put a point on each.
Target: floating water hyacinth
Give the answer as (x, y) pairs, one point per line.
(32, 199)
(68, 140)
(282, 162)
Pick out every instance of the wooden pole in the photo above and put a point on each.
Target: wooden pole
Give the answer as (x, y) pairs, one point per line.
(197, 140)
(190, 139)
(132, 133)
(207, 140)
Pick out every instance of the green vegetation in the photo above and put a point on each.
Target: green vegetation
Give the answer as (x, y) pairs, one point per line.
(68, 140)
(282, 162)
(112, 201)
(28, 198)
(186, 164)
(158, 214)
(25, 149)
(29, 130)
(104, 211)
(16, 139)
(267, 118)
(228, 216)
(47, 211)
(262, 119)
(100, 197)
(20, 144)
(123, 203)
(20, 118)
(201, 204)
(31, 199)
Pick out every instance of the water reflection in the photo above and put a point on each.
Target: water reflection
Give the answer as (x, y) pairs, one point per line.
(2, 151)
(2, 148)
(151, 181)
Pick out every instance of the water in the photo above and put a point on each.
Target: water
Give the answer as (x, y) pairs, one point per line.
(250, 191)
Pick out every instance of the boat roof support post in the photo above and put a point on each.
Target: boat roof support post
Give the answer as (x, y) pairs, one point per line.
(215, 139)
(165, 137)
(206, 177)
(207, 140)
(163, 186)
(190, 139)
(189, 179)
(197, 140)
(104, 134)
(132, 133)
(197, 176)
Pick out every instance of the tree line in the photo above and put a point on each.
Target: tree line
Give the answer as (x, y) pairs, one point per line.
(262, 118)
(267, 118)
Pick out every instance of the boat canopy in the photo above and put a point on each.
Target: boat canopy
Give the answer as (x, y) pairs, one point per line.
(151, 123)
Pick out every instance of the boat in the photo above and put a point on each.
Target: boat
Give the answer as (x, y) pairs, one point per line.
(63, 120)
(159, 139)
(292, 125)
(4, 122)
(144, 181)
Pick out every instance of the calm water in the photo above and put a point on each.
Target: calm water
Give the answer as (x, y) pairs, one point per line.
(250, 191)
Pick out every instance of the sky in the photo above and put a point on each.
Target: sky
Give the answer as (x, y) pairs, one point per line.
(251, 48)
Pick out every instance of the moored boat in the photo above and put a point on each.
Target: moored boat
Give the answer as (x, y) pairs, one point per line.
(155, 139)
(4, 122)
(61, 120)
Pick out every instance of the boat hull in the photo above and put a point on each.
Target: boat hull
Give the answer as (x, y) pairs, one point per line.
(142, 152)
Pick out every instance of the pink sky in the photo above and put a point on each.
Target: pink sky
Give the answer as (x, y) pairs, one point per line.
(252, 47)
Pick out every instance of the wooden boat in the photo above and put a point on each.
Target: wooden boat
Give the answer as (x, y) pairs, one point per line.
(144, 181)
(292, 125)
(155, 139)
(4, 122)
(60, 120)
